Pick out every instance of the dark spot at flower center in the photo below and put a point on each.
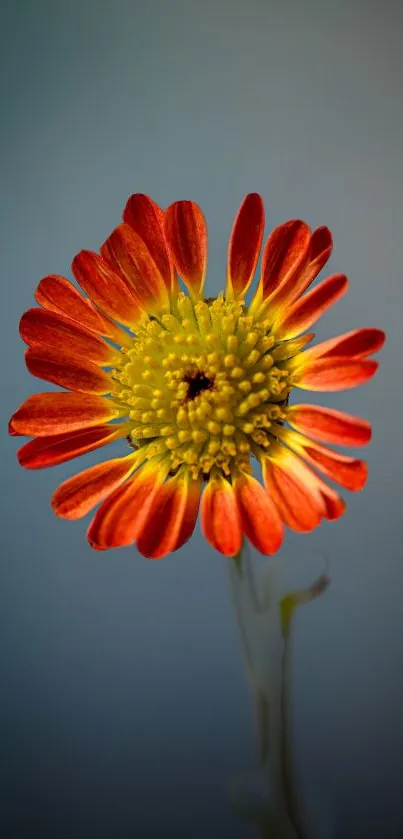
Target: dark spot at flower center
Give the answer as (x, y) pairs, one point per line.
(197, 383)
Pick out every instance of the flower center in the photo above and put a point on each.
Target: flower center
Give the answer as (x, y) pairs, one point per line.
(200, 385)
(197, 383)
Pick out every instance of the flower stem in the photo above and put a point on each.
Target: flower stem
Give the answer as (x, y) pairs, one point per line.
(264, 613)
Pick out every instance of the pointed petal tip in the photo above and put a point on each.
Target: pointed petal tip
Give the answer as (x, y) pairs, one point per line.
(56, 294)
(329, 425)
(11, 428)
(296, 505)
(147, 219)
(77, 496)
(321, 241)
(46, 452)
(175, 506)
(74, 374)
(244, 244)
(106, 287)
(92, 543)
(186, 235)
(220, 520)
(121, 518)
(284, 255)
(335, 373)
(306, 310)
(355, 345)
(379, 339)
(259, 516)
(349, 472)
(46, 414)
(128, 255)
(49, 330)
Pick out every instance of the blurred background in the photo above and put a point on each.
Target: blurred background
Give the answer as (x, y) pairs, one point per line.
(124, 707)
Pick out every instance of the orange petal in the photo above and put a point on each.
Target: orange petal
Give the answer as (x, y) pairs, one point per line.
(331, 374)
(298, 509)
(56, 294)
(47, 330)
(120, 519)
(220, 518)
(359, 343)
(43, 452)
(128, 255)
(301, 497)
(307, 309)
(186, 234)
(329, 426)
(45, 414)
(147, 220)
(68, 371)
(109, 290)
(348, 472)
(13, 431)
(320, 249)
(334, 505)
(285, 254)
(175, 507)
(244, 245)
(260, 520)
(78, 495)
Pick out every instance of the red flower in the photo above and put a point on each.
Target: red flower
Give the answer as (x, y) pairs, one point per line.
(197, 386)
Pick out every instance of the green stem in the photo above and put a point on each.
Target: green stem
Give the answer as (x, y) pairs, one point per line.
(264, 618)
(290, 794)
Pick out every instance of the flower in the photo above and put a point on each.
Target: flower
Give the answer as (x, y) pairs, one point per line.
(198, 386)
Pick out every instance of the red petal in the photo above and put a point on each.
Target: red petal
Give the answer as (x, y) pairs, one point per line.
(329, 426)
(109, 290)
(122, 516)
(259, 518)
(359, 343)
(43, 452)
(147, 220)
(78, 495)
(300, 510)
(331, 374)
(68, 371)
(348, 472)
(175, 508)
(320, 248)
(186, 234)
(127, 253)
(285, 254)
(244, 246)
(56, 294)
(305, 311)
(220, 518)
(45, 414)
(47, 330)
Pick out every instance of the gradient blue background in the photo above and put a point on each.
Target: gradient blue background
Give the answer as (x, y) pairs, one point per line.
(123, 705)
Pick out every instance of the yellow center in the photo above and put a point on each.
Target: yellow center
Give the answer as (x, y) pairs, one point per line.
(201, 385)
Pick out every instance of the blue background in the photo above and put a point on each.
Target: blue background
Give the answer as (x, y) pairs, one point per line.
(124, 707)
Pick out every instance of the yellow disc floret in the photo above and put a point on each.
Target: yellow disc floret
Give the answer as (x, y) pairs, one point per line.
(201, 386)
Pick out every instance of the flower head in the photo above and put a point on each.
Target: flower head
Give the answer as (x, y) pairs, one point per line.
(198, 387)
